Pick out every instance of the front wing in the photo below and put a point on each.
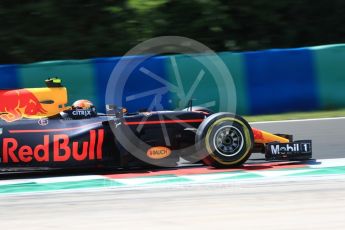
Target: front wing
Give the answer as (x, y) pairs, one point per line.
(296, 150)
(282, 146)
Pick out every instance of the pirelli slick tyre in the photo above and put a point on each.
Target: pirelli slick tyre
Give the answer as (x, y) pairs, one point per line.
(227, 139)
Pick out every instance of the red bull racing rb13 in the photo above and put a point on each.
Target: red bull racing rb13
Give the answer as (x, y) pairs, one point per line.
(39, 130)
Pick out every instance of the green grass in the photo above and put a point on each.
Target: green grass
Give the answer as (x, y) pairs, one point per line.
(297, 115)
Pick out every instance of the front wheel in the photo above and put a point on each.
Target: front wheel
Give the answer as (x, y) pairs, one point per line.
(226, 138)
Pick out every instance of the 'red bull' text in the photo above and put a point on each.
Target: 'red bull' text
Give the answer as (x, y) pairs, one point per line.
(55, 148)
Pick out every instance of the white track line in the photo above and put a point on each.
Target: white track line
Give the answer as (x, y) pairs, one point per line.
(299, 120)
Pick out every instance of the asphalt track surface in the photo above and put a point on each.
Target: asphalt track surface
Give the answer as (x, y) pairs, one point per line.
(295, 204)
(287, 205)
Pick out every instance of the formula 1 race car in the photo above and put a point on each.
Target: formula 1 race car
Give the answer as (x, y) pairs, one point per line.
(37, 129)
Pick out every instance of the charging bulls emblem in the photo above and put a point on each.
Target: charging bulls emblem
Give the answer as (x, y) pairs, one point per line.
(16, 104)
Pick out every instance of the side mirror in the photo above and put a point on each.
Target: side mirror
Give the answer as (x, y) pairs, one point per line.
(115, 111)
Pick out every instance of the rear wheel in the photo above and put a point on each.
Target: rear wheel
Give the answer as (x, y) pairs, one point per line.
(226, 138)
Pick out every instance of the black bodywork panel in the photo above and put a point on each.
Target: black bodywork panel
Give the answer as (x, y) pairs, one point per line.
(68, 143)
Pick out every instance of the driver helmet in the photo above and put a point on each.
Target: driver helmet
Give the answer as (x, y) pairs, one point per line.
(81, 109)
(83, 104)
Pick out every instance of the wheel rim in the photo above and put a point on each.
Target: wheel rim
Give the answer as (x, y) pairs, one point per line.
(228, 141)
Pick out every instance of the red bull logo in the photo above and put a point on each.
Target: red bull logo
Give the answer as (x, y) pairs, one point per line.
(16, 104)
